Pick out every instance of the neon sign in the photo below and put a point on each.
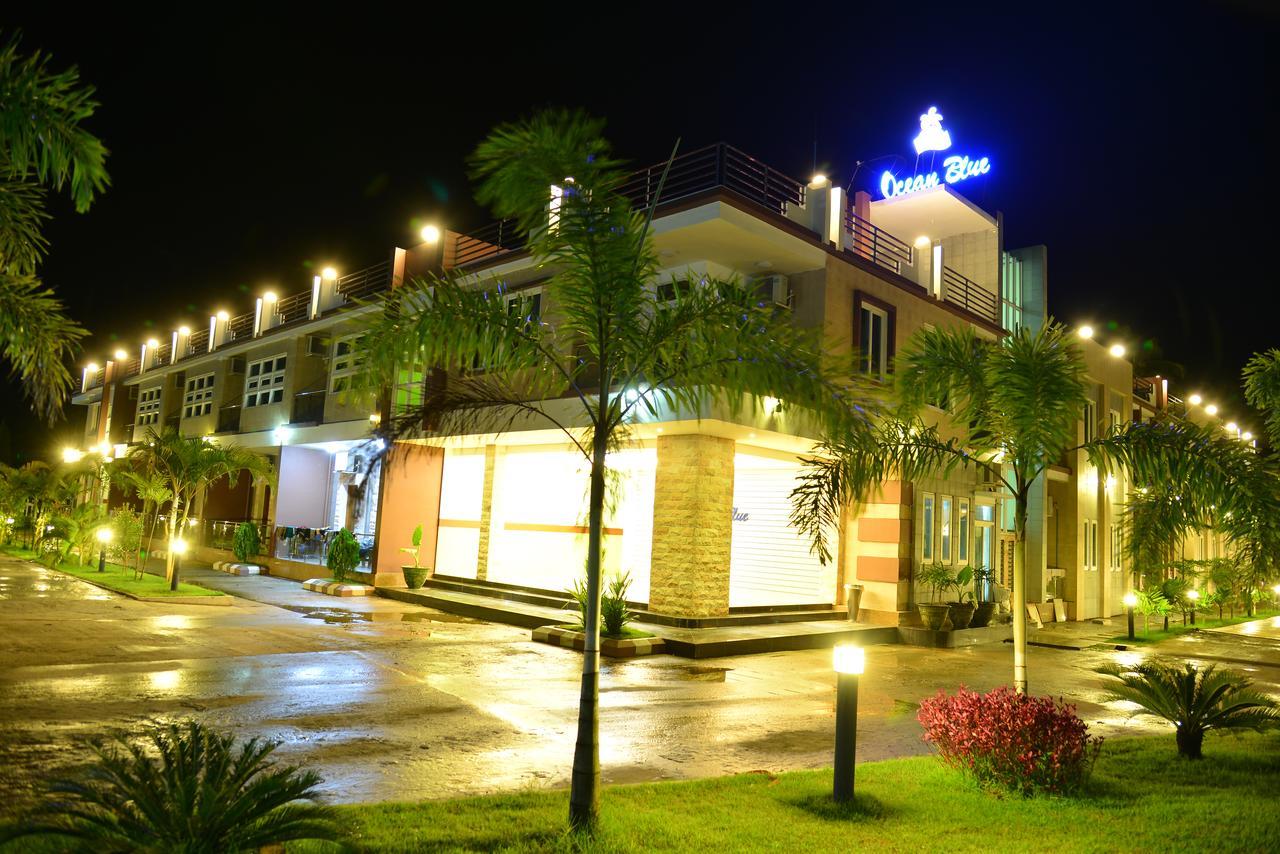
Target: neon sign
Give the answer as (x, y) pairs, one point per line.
(956, 168)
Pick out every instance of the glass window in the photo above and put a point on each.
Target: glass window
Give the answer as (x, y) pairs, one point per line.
(347, 358)
(985, 512)
(926, 528)
(149, 407)
(873, 341)
(1090, 421)
(526, 303)
(264, 382)
(962, 530)
(1011, 298)
(410, 388)
(198, 397)
(944, 529)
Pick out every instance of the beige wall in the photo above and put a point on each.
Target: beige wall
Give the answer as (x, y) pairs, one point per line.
(410, 496)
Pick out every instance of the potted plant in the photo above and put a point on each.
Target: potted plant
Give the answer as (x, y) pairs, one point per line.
(938, 578)
(344, 555)
(415, 576)
(985, 607)
(961, 610)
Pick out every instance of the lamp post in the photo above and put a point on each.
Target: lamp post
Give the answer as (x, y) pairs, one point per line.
(1130, 600)
(849, 662)
(1194, 597)
(104, 536)
(179, 547)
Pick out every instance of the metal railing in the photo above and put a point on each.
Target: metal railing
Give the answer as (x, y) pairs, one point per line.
(718, 166)
(221, 533)
(308, 407)
(131, 367)
(365, 283)
(877, 245)
(969, 295)
(240, 327)
(197, 344)
(294, 307)
(1144, 389)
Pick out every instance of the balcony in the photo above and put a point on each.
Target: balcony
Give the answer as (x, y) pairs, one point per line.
(229, 418)
(366, 283)
(308, 407)
(965, 293)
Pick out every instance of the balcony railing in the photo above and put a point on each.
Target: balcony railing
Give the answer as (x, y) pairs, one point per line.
(969, 295)
(365, 283)
(229, 418)
(197, 344)
(308, 407)
(294, 307)
(240, 327)
(875, 244)
(716, 167)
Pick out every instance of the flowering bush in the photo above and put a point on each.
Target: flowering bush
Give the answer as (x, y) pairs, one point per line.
(1018, 743)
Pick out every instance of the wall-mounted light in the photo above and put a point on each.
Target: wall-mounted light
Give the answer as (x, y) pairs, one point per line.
(120, 355)
(1117, 350)
(282, 434)
(430, 234)
(329, 273)
(92, 367)
(1195, 399)
(1232, 427)
(1085, 332)
(1247, 436)
(184, 330)
(269, 296)
(72, 455)
(222, 315)
(1211, 409)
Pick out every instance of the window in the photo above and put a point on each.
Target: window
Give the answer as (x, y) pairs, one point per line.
(91, 417)
(873, 340)
(926, 528)
(149, 407)
(1090, 421)
(347, 358)
(1113, 422)
(264, 382)
(668, 291)
(526, 303)
(1011, 298)
(1090, 544)
(962, 530)
(944, 532)
(1115, 546)
(410, 389)
(198, 398)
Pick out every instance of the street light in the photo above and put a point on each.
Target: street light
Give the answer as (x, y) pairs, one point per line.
(179, 547)
(104, 537)
(1130, 600)
(72, 455)
(1194, 596)
(849, 662)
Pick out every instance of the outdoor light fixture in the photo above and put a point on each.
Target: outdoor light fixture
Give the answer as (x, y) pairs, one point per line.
(1130, 600)
(269, 296)
(1194, 596)
(923, 241)
(222, 315)
(848, 661)
(120, 355)
(282, 434)
(184, 330)
(1275, 590)
(72, 455)
(1211, 409)
(818, 180)
(104, 536)
(1117, 350)
(178, 547)
(1246, 435)
(92, 367)
(152, 343)
(430, 234)
(1195, 399)
(1232, 427)
(329, 273)
(1085, 332)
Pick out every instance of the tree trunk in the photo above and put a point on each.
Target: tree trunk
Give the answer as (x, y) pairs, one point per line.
(1020, 594)
(584, 793)
(169, 572)
(1189, 742)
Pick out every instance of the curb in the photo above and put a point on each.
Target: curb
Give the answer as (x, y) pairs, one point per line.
(621, 648)
(336, 588)
(238, 568)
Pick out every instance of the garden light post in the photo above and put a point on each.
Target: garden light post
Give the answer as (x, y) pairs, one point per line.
(1130, 599)
(104, 537)
(179, 547)
(1193, 596)
(849, 662)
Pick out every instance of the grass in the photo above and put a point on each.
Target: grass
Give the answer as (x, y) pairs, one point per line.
(1203, 621)
(120, 578)
(1141, 797)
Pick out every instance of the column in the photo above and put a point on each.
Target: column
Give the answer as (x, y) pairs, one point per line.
(486, 513)
(882, 553)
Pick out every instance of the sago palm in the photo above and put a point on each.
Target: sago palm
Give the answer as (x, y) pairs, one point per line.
(43, 145)
(187, 467)
(1195, 700)
(185, 788)
(604, 352)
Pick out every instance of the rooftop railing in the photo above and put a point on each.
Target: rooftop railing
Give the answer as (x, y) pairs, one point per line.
(875, 244)
(294, 307)
(197, 344)
(240, 327)
(967, 294)
(365, 283)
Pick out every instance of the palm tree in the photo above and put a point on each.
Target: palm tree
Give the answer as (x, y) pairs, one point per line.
(153, 491)
(43, 145)
(1014, 405)
(1262, 390)
(35, 491)
(604, 352)
(187, 467)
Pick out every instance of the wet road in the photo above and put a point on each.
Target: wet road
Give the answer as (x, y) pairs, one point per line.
(390, 701)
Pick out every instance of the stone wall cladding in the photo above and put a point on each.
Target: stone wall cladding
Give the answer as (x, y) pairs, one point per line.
(486, 512)
(692, 526)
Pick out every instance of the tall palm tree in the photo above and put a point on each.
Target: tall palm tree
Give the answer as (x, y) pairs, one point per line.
(153, 491)
(43, 145)
(187, 467)
(36, 490)
(1262, 390)
(604, 352)
(1013, 408)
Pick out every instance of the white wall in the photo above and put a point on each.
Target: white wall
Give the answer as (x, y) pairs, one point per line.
(303, 496)
(461, 493)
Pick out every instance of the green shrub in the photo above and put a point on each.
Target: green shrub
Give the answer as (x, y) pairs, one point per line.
(344, 554)
(937, 578)
(614, 614)
(183, 788)
(1194, 700)
(246, 544)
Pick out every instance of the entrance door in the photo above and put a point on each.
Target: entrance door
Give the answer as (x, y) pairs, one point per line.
(982, 552)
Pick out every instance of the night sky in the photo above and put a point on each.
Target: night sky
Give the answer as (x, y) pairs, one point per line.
(247, 150)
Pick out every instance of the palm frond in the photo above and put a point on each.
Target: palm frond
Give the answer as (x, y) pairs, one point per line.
(1262, 390)
(38, 340)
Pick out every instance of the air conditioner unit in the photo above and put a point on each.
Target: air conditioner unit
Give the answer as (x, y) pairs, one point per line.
(236, 366)
(317, 345)
(179, 379)
(773, 288)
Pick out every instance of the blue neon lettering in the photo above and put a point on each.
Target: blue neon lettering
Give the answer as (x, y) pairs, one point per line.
(956, 168)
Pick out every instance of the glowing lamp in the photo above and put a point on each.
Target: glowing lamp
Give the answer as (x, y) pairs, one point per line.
(1085, 332)
(1195, 399)
(1211, 409)
(923, 241)
(430, 234)
(1275, 590)
(184, 330)
(1246, 435)
(72, 455)
(818, 180)
(1130, 600)
(1193, 595)
(847, 658)
(120, 355)
(329, 273)
(104, 535)
(1232, 427)
(1117, 350)
(282, 434)
(269, 296)
(222, 315)
(178, 546)
(92, 367)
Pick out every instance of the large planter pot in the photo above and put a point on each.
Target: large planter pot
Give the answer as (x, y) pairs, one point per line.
(415, 576)
(961, 613)
(982, 615)
(933, 615)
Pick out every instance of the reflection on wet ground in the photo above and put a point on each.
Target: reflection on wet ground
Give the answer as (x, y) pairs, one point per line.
(344, 615)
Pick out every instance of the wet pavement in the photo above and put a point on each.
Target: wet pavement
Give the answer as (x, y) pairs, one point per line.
(393, 701)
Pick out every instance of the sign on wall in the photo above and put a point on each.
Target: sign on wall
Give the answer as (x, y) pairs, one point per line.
(955, 167)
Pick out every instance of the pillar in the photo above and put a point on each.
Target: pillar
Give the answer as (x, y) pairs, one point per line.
(692, 526)
(486, 512)
(883, 546)
(408, 496)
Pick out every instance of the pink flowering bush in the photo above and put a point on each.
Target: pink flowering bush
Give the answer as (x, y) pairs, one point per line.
(1018, 743)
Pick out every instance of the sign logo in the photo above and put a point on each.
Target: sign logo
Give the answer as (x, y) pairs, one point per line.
(956, 168)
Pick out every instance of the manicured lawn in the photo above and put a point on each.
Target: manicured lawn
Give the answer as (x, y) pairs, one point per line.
(1203, 621)
(121, 578)
(1142, 797)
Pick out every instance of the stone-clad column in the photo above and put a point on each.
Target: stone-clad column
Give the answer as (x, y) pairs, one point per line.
(692, 526)
(486, 513)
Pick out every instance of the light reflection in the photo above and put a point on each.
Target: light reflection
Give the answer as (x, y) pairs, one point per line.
(165, 680)
(173, 621)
